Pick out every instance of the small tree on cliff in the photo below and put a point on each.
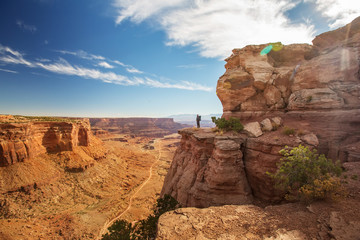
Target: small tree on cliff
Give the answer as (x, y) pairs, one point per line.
(144, 229)
(233, 124)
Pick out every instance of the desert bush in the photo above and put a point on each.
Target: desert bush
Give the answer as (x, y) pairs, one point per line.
(322, 189)
(233, 124)
(303, 174)
(144, 229)
(288, 131)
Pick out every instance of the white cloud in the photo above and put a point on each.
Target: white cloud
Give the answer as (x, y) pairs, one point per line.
(7, 70)
(183, 85)
(188, 66)
(105, 65)
(43, 60)
(9, 56)
(133, 70)
(120, 63)
(139, 10)
(22, 25)
(216, 27)
(339, 12)
(81, 54)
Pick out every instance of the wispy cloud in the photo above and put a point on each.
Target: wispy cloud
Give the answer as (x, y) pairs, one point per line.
(81, 54)
(105, 65)
(183, 85)
(61, 66)
(7, 70)
(133, 70)
(188, 66)
(120, 63)
(339, 12)
(215, 27)
(26, 27)
(104, 62)
(43, 60)
(7, 55)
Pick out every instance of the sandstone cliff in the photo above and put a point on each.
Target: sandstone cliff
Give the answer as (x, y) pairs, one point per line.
(315, 91)
(317, 86)
(22, 141)
(312, 89)
(150, 127)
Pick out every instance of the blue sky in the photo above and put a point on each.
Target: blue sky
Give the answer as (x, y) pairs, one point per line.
(120, 58)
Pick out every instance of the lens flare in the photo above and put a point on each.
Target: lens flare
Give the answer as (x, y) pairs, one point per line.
(277, 46)
(266, 50)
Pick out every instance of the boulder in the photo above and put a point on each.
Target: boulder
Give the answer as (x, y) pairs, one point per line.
(266, 125)
(253, 129)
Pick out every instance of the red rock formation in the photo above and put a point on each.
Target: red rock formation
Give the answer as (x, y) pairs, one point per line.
(212, 169)
(208, 170)
(316, 85)
(315, 89)
(23, 141)
(32, 152)
(150, 127)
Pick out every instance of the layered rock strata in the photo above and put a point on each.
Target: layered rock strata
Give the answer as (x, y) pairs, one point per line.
(317, 86)
(313, 89)
(34, 153)
(150, 127)
(23, 141)
(212, 169)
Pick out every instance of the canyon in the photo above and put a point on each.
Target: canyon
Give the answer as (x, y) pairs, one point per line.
(150, 127)
(71, 178)
(60, 181)
(312, 90)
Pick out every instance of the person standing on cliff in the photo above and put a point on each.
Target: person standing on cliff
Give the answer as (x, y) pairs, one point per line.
(198, 119)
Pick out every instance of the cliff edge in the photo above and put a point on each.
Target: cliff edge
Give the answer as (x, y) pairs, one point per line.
(313, 90)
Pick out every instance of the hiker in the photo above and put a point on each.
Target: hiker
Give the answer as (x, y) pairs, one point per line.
(198, 119)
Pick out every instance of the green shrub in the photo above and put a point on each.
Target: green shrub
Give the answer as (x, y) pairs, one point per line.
(305, 175)
(288, 131)
(233, 124)
(144, 229)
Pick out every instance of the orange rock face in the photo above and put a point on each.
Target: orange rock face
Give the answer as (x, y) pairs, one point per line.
(314, 89)
(208, 170)
(316, 85)
(24, 141)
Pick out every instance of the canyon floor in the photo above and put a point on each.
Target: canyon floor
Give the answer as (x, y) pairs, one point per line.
(82, 205)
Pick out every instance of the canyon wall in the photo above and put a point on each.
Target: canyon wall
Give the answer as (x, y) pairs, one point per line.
(28, 149)
(314, 90)
(23, 141)
(150, 127)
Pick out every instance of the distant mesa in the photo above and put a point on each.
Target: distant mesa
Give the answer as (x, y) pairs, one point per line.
(150, 127)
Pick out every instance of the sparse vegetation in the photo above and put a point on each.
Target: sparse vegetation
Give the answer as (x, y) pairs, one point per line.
(308, 99)
(144, 229)
(288, 131)
(354, 177)
(24, 119)
(233, 124)
(306, 176)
